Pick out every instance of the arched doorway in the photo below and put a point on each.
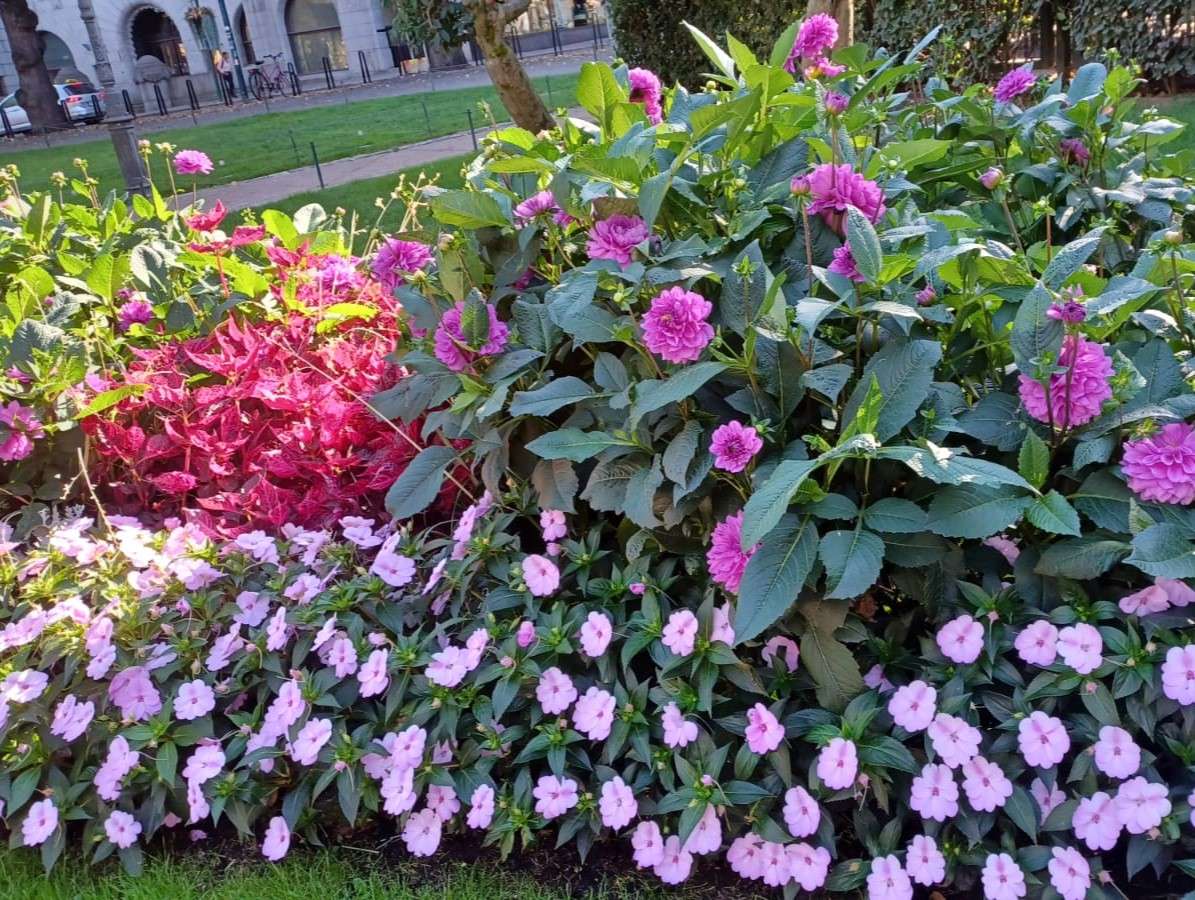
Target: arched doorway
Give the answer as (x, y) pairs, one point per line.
(55, 53)
(314, 31)
(154, 34)
(248, 57)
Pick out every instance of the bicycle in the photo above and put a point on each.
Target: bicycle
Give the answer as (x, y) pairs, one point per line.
(266, 81)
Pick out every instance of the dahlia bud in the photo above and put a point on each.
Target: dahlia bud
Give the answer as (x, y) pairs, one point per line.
(800, 186)
(992, 178)
(836, 103)
(926, 295)
(1173, 237)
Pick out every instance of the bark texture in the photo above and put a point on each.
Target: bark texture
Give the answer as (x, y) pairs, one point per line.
(844, 12)
(38, 96)
(490, 18)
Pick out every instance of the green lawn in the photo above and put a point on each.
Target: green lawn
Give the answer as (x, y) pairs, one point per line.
(260, 145)
(341, 874)
(359, 196)
(1181, 108)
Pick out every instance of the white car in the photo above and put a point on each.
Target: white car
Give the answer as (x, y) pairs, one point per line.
(82, 102)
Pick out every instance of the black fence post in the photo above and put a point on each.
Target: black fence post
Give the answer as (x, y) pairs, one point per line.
(596, 39)
(472, 130)
(192, 97)
(366, 77)
(295, 147)
(328, 74)
(95, 107)
(427, 117)
(294, 79)
(128, 103)
(66, 112)
(8, 132)
(161, 101)
(548, 82)
(319, 173)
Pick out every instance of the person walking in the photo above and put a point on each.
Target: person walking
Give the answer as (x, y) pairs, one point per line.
(224, 67)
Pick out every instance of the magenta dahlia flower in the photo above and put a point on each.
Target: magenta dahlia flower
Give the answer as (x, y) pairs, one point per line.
(19, 428)
(734, 445)
(1161, 467)
(834, 188)
(397, 259)
(844, 264)
(726, 558)
(616, 238)
(1014, 84)
(451, 346)
(192, 162)
(816, 35)
(1074, 150)
(136, 311)
(1076, 396)
(646, 89)
(675, 327)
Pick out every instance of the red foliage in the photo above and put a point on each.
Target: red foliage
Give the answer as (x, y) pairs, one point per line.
(262, 423)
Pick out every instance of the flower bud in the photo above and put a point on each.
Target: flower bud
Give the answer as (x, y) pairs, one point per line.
(1173, 237)
(800, 186)
(992, 178)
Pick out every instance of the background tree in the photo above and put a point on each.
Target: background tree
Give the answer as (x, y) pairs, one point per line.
(449, 23)
(844, 12)
(38, 96)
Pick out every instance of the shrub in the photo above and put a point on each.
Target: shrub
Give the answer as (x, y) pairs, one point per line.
(838, 519)
(661, 43)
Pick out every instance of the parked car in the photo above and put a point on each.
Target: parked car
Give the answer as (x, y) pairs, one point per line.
(82, 102)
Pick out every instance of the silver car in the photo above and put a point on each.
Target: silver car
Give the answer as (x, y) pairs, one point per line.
(80, 100)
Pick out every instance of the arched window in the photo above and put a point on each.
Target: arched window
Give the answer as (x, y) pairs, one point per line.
(314, 31)
(246, 39)
(154, 34)
(55, 53)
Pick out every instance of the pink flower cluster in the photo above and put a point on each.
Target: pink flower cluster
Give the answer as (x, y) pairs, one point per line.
(1077, 395)
(647, 90)
(1161, 468)
(832, 188)
(675, 327)
(453, 348)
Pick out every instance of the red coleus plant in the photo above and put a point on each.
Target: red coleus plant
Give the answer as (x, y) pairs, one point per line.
(262, 423)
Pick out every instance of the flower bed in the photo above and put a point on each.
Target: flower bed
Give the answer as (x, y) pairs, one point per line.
(836, 520)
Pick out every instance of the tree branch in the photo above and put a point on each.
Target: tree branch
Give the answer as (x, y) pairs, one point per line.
(509, 10)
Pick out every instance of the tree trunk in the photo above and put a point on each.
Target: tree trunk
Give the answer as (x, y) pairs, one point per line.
(843, 11)
(38, 96)
(510, 79)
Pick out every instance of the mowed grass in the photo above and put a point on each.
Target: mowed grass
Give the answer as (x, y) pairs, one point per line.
(274, 142)
(1181, 108)
(340, 874)
(359, 197)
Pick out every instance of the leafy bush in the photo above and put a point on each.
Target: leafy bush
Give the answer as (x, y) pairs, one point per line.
(837, 452)
(1154, 35)
(661, 42)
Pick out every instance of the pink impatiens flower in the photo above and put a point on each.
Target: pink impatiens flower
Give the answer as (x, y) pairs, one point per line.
(71, 718)
(677, 731)
(706, 837)
(195, 699)
(934, 793)
(1043, 740)
(954, 740)
(808, 866)
(40, 822)
(680, 634)
(452, 347)
(1141, 805)
(782, 647)
(648, 845)
(961, 640)
(276, 844)
(443, 801)
(20, 428)
(764, 731)
(555, 691)
(888, 880)
(616, 238)
(726, 559)
(675, 863)
(646, 89)
(1116, 753)
(481, 807)
(1014, 84)
(617, 804)
(833, 188)
(593, 716)
(1070, 873)
(985, 784)
(1096, 821)
(372, 675)
(122, 829)
(554, 796)
(801, 812)
(310, 740)
(838, 763)
(745, 856)
(422, 833)
(1080, 647)
(1048, 799)
(1178, 674)
(675, 327)
(1161, 468)
(1038, 644)
(540, 575)
(595, 634)
(1002, 878)
(913, 706)
(134, 694)
(1076, 396)
(925, 863)
(734, 445)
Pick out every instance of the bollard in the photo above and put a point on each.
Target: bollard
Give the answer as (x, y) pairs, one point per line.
(128, 103)
(426, 117)
(596, 39)
(192, 97)
(328, 74)
(366, 77)
(472, 130)
(319, 173)
(161, 101)
(295, 87)
(8, 132)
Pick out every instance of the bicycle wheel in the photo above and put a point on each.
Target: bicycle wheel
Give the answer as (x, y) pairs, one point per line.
(257, 85)
(284, 85)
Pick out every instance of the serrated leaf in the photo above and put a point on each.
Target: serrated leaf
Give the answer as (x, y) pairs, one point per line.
(1163, 551)
(652, 394)
(1023, 811)
(552, 396)
(1052, 513)
(555, 483)
(419, 483)
(852, 560)
(1082, 558)
(1034, 334)
(467, 209)
(774, 576)
(865, 244)
(895, 516)
(770, 500)
(832, 667)
(573, 444)
(904, 371)
(1033, 462)
(973, 511)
